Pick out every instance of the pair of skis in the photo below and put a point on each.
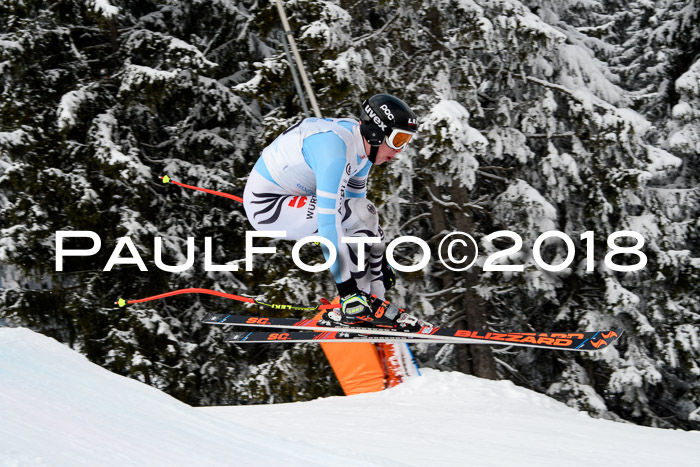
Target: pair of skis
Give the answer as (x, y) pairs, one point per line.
(293, 330)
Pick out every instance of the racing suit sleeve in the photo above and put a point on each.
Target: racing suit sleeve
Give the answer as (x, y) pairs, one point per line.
(357, 186)
(325, 154)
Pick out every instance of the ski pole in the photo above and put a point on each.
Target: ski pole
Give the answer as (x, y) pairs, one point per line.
(324, 306)
(122, 302)
(167, 179)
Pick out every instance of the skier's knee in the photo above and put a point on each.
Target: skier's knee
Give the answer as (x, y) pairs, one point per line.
(360, 215)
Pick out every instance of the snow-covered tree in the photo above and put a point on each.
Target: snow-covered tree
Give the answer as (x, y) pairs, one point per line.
(535, 116)
(527, 129)
(98, 101)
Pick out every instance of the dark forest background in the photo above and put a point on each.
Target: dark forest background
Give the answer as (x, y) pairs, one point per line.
(535, 116)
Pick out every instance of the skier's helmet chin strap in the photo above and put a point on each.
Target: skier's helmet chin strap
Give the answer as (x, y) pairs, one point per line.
(372, 156)
(374, 137)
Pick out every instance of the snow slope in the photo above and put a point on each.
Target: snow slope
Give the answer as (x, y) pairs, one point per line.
(58, 409)
(451, 419)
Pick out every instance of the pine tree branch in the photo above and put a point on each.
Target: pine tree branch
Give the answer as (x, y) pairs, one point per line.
(567, 134)
(488, 175)
(446, 204)
(454, 289)
(595, 101)
(414, 219)
(376, 33)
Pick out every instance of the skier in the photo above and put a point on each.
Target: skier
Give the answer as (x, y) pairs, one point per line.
(312, 180)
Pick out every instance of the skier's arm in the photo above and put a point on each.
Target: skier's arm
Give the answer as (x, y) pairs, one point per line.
(325, 154)
(357, 186)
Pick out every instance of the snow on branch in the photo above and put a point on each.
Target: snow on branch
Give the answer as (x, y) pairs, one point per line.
(587, 99)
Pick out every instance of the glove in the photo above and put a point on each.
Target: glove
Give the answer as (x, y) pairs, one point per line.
(388, 274)
(353, 301)
(355, 304)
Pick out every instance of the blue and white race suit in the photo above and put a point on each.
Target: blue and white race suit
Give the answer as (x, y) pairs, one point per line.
(312, 180)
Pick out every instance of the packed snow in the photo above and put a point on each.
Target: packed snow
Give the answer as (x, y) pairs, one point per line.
(59, 409)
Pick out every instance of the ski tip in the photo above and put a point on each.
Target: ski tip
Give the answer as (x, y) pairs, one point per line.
(614, 335)
(601, 340)
(121, 302)
(165, 179)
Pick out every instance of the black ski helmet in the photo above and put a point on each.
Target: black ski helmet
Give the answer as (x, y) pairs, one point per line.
(380, 114)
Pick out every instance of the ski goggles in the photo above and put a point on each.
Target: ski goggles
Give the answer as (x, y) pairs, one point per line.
(399, 138)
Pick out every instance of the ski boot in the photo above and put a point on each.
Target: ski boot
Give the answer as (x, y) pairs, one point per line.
(389, 315)
(377, 313)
